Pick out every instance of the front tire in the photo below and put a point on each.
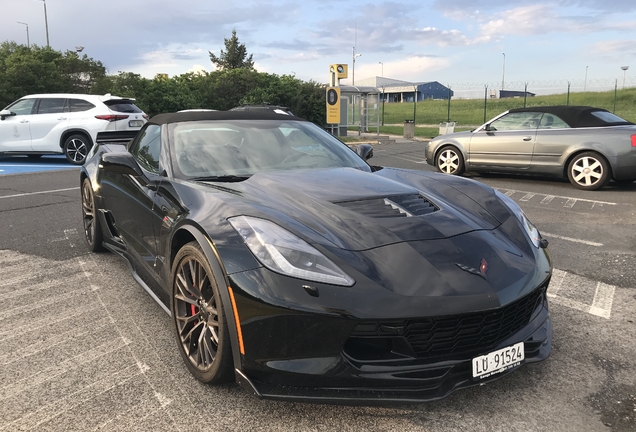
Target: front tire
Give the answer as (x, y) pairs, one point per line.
(589, 171)
(198, 317)
(449, 160)
(76, 148)
(92, 227)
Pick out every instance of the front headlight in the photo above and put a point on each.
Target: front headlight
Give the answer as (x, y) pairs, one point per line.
(531, 230)
(283, 252)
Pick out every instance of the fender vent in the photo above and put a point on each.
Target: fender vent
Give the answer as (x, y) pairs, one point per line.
(395, 206)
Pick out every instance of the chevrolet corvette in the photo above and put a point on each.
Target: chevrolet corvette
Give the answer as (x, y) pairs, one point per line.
(291, 265)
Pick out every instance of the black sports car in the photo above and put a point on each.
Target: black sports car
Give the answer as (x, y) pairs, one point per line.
(291, 265)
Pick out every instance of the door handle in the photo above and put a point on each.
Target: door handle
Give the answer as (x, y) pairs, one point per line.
(24, 121)
(62, 118)
(527, 138)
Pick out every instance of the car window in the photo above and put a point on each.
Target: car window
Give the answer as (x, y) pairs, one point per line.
(608, 117)
(147, 148)
(22, 107)
(51, 106)
(79, 105)
(550, 121)
(124, 106)
(516, 121)
(246, 147)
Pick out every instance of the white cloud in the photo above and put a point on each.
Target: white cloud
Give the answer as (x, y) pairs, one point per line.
(413, 68)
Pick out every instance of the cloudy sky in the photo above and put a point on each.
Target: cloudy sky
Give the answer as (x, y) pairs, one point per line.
(457, 42)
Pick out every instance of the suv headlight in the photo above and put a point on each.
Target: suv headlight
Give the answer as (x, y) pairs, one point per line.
(283, 252)
(531, 230)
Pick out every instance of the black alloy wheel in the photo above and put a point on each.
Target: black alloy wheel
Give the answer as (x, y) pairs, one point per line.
(92, 228)
(76, 148)
(198, 317)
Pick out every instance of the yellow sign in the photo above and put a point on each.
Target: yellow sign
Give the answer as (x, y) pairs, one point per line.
(341, 70)
(333, 105)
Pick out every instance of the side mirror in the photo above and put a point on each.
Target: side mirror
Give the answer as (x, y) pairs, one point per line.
(121, 163)
(6, 113)
(365, 151)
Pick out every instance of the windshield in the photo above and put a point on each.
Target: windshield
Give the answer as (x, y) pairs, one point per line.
(220, 149)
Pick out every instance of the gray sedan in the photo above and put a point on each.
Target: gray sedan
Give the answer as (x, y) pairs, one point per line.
(589, 146)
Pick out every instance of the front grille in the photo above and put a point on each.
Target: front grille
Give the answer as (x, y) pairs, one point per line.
(394, 206)
(448, 337)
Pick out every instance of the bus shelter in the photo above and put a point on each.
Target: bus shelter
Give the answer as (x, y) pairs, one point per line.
(359, 110)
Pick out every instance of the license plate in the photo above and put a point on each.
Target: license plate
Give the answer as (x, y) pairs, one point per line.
(498, 361)
(135, 123)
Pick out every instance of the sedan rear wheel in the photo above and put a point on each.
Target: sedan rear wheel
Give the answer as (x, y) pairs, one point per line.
(589, 171)
(450, 161)
(92, 227)
(198, 317)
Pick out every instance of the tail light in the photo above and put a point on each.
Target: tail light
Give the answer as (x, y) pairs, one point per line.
(111, 117)
(633, 140)
(145, 116)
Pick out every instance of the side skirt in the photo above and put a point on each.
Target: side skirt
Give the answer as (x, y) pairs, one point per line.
(138, 278)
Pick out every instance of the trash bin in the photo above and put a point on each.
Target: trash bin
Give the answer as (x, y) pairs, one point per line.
(409, 129)
(446, 127)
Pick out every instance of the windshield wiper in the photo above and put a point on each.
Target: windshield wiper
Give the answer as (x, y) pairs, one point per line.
(222, 178)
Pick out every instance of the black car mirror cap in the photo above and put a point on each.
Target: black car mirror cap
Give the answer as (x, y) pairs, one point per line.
(365, 151)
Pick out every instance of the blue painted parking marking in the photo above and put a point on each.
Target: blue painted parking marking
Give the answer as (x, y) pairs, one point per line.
(22, 164)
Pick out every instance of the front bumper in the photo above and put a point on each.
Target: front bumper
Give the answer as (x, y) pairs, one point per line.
(291, 354)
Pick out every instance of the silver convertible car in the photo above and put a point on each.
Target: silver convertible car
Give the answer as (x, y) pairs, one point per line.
(589, 146)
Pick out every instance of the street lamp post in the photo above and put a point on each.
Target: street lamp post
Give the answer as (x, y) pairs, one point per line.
(382, 69)
(27, 30)
(46, 24)
(585, 82)
(624, 68)
(503, 74)
(353, 69)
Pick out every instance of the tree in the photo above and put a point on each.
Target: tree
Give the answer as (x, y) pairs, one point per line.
(235, 56)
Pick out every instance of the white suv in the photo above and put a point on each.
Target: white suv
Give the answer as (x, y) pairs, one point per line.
(67, 123)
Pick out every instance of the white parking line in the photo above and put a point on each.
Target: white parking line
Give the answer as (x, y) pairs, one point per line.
(566, 285)
(586, 242)
(37, 193)
(570, 201)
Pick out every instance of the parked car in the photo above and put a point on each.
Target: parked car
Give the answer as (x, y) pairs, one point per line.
(67, 123)
(589, 146)
(263, 107)
(291, 265)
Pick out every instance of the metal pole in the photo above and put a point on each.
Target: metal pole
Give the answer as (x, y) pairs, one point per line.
(567, 102)
(46, 23)
(383, 98)
(585, 82)
(503, 75)
(615, 91)
(525, 95)
(485, 101)
(353, 68)
(414, 106)
(382, 69)
(27, 30)
(449, 99)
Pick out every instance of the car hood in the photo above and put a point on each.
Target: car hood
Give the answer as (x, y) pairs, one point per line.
(356, 210)
(454, 135)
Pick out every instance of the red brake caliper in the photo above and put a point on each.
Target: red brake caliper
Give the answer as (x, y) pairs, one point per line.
(193, 310)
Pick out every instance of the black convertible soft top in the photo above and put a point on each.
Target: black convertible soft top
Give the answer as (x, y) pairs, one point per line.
(220, 115)
(574, 116)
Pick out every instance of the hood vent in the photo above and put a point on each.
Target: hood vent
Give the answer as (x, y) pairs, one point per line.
(395, 206)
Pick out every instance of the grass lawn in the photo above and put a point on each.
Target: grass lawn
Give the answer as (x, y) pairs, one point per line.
(467, 112)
